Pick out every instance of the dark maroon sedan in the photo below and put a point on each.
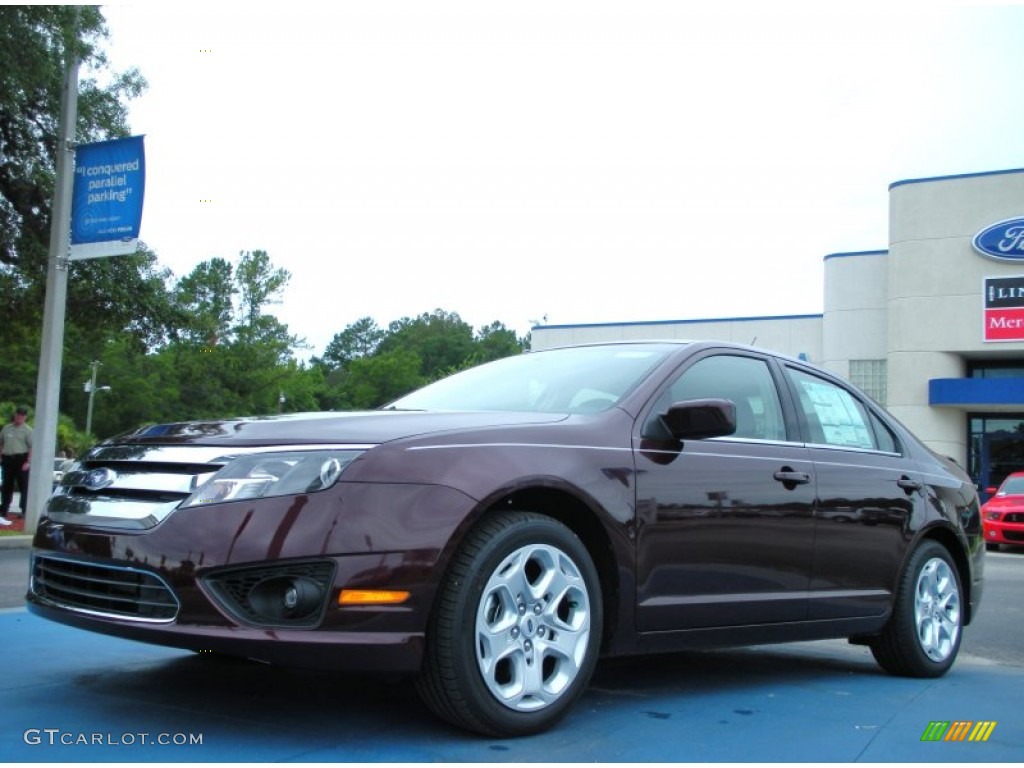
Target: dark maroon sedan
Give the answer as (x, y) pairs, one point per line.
(495, 532)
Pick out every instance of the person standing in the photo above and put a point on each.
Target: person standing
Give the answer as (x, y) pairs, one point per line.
(15, 457)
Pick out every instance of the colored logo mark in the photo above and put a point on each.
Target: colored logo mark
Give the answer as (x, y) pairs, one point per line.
(958, 730)
(1002, 241)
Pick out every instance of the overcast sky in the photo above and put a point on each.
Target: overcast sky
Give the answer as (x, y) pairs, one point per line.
(580, 161)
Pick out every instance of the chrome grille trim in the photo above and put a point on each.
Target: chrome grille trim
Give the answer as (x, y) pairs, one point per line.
(98, 589)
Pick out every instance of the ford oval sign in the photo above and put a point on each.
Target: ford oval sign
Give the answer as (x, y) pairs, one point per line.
(1003, 241)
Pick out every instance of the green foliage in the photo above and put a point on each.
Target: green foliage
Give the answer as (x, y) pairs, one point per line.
(259, 283)
(204, 299)
(373, 381)
(441, 339)
(106, 297)
(365, 367)
(35, 41)
(360, 339)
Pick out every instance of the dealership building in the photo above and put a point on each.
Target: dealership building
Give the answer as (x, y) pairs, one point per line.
(932, 327)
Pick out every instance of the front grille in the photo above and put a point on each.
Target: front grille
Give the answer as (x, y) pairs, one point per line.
(132, 487)
(101, 589)
(1013, 535)
(1014, 517)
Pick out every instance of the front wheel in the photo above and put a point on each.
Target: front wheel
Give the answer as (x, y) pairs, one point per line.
(923, 635)
(517, 628)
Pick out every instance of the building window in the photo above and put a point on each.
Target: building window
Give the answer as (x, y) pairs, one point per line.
(870, 376)
(996, 370)
(996, 448)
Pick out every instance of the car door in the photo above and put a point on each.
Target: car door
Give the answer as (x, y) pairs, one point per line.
(868, 491)
(724, 525)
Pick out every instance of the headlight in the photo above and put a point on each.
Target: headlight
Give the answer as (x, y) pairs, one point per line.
(281, 473)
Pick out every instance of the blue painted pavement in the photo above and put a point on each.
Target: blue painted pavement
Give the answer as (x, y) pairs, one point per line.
(72, 696)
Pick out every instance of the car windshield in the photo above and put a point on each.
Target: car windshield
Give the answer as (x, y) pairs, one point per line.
(570, 380)
(1012, 486)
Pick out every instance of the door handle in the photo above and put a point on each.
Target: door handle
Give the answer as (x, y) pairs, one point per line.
(909, 485)
(791, 479)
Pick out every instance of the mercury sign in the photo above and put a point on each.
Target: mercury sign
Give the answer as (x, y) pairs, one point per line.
(1004, 309)
(1002, 241)
(106, 209)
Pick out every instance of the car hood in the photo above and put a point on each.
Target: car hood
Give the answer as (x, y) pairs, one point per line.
(354, 427)
(1004, 503)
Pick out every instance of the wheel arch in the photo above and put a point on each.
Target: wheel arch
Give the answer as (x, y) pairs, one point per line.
(581, 518)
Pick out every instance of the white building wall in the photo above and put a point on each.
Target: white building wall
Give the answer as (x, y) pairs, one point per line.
(935, 284)
(794, 336)
(854, 322)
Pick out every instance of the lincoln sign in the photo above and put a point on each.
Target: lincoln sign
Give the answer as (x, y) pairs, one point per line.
(1004, 308)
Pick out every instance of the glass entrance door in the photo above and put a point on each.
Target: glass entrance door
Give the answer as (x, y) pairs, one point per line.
(996, 449)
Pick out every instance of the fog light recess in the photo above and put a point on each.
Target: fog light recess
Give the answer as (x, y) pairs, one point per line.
(286, 598)
(292, 595)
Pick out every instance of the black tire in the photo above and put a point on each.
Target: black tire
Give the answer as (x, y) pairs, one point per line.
(992, 546)
(527, 583)
(923, 635)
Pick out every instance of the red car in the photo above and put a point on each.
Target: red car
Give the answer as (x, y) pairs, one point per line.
(1003, 515)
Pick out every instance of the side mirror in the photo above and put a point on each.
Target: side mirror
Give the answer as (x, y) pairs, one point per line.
(700, 419)
(991, 491)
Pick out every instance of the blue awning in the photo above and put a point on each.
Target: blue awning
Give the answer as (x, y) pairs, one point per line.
(980, 393)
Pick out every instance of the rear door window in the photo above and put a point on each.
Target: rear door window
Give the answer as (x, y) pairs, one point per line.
(834, 417)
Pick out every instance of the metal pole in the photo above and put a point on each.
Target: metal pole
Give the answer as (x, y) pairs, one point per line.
(44, 436)
(92, 394)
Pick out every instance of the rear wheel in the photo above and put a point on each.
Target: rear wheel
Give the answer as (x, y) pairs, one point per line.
(923, 635)
(516, 632)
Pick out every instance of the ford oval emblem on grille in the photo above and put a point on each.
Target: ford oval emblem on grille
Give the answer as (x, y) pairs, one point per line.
(98, 479)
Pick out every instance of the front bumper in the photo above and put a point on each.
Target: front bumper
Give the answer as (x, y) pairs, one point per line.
(363, 536)
(1004, 532)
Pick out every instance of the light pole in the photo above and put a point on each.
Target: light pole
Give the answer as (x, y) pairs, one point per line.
(91, 388)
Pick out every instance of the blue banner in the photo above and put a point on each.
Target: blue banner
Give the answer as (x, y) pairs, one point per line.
(106, 208)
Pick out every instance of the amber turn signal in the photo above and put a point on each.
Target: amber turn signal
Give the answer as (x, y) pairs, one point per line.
(372, 596)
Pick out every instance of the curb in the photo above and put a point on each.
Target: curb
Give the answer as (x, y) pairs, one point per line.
(15, 542)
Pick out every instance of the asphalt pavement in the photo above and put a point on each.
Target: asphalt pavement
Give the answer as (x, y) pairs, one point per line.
(73, 696)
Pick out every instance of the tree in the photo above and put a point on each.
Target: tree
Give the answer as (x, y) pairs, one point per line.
(259, 283)
(495, 341)
(359, 339)
(373, 381)
(144, 389)
(442, 340)
(205, 299)
(34, 43)
(106, 297)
